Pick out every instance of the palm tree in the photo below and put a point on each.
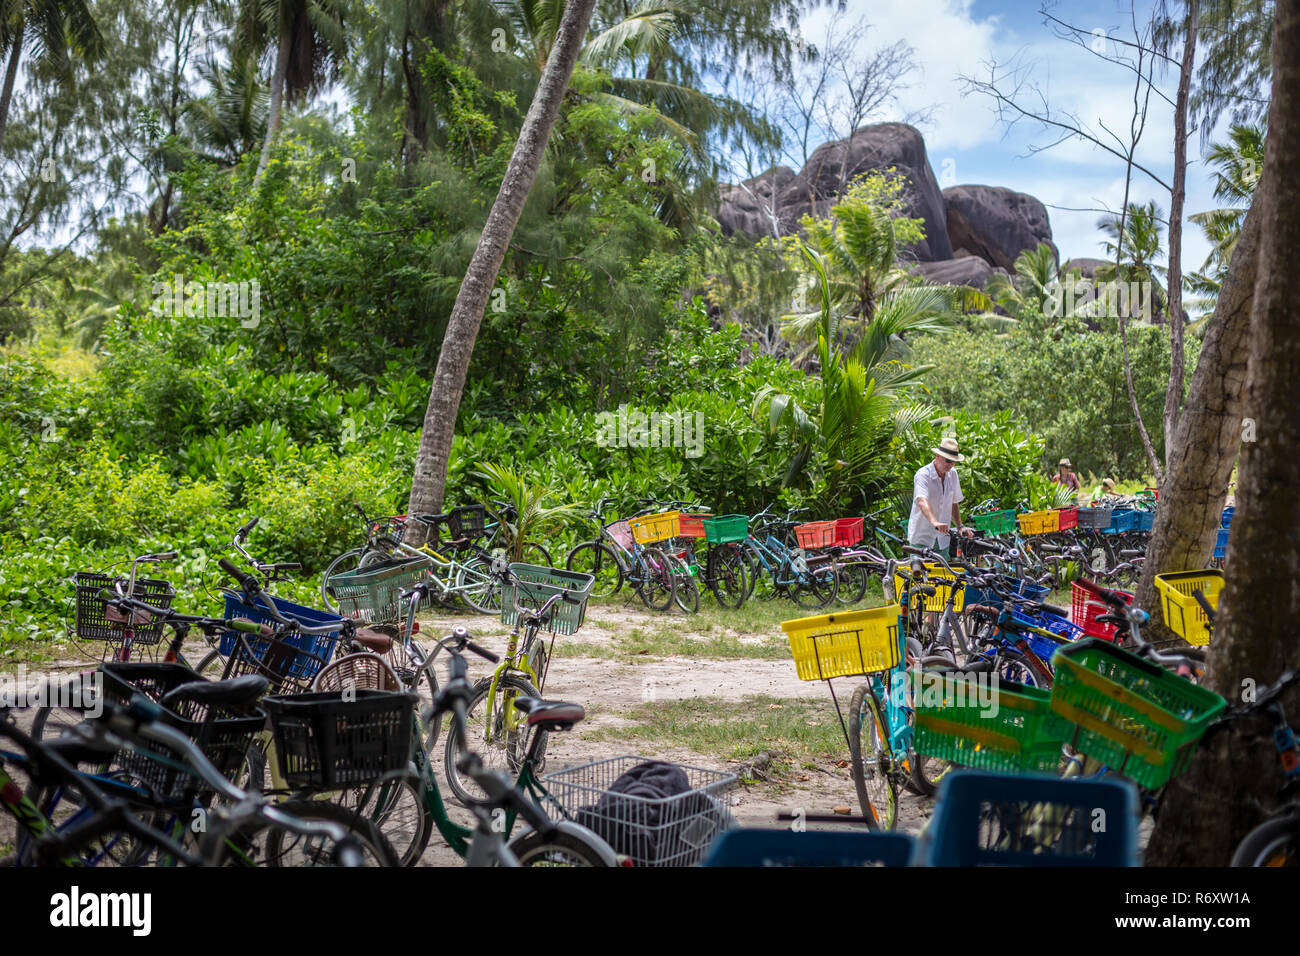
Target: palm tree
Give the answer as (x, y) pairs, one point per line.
(1025, 296)
(1239, 162)
(230, 120)
(52, 29)
(857, 248)
(1143, 246)
(862, 405)
(309, 43)
(429, 482)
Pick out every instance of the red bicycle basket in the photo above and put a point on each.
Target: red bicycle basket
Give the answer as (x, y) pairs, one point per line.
(848, 531)
(691, 526)
(1085, 609)
(815, 534)
(1069, 518)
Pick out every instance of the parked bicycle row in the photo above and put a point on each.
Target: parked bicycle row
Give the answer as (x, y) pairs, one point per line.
(1061, 711)
(305, 737)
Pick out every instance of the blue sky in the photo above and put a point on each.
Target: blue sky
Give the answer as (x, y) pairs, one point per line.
(968, 144)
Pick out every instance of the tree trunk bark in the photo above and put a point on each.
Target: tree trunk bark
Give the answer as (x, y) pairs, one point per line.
(1210, 427)
(1177, 361)
(429, 482)
(276, 115)
(1218, 801)
(11, 72)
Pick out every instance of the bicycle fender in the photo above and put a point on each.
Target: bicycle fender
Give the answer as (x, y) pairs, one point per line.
(578, 830)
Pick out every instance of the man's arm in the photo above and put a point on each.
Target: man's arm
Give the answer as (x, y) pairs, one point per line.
(956, 520)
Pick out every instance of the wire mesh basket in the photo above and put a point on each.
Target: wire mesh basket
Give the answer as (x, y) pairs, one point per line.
(92, 624)
(987, 819)
(655, 812)
(373, 594)
(537, 585)
(223, 735)
(621, 533)
(840, 645)
(326, 741)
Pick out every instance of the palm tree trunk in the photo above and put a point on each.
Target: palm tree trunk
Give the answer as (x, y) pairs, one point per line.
(276, 115)
(11, 71)
(1215, 804)
(429, 482)
(1177, 362)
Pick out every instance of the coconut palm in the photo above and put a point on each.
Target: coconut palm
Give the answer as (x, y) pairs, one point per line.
(1239, 162)
(1143, 246)
(309, 44)
(230, 121)
(54, 30)
(864, 386)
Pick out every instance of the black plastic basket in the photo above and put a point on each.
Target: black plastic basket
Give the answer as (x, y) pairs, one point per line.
(1095, 519)
(223, 735)
(93, 625)
(326, 742)
(467, 521)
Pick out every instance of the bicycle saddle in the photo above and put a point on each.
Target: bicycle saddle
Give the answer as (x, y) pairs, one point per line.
(373, 640)
(550, 715)
(233, 693)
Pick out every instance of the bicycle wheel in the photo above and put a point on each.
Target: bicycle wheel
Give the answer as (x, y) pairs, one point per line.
(212, 666)
(871, 761)
(853, 583)
(816, 588)
(396, 806)
(265, 844)
(686, 588)
(347, 561)
(598, 560)
(654, 580)
(728, 576)
(76, 695)
(501, 737)
(476, 586)
(562, 849)
(1274, 842)
(534, 553)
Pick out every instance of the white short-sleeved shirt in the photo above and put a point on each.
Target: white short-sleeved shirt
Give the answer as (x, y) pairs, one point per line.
(942, 493)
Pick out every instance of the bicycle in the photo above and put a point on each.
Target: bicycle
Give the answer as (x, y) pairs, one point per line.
(810, 581)
(241, 829)
(559, 599)
(493, 840)
(614, 557)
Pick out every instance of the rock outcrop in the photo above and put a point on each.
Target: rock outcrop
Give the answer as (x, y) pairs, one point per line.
(785, 197)
(995, 223)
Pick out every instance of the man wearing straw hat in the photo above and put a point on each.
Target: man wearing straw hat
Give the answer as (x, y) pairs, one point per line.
(936, 492)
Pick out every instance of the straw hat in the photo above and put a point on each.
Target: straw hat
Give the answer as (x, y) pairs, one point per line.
(1064, 463)
(948, 449)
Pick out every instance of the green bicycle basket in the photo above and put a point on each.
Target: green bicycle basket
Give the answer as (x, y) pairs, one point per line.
(725, 529)
(372, 594)
(1137, 718)
(995, 522)
(537, 585)
(994, 726)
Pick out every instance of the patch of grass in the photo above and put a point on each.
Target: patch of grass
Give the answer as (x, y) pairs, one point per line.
(735, 730)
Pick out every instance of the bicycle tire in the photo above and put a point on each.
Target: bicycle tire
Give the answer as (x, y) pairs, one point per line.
(264, 843)
(536, 554)
(853, 583)
(534, 849)
(872, 767)
(1274, 843)
(598, 560)
(396, 806)
(498, 751)
(818, 591)
(212, 666)
(655, 583)
(347, 561)
(686, 589)
(728, 577)
(478, 595)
